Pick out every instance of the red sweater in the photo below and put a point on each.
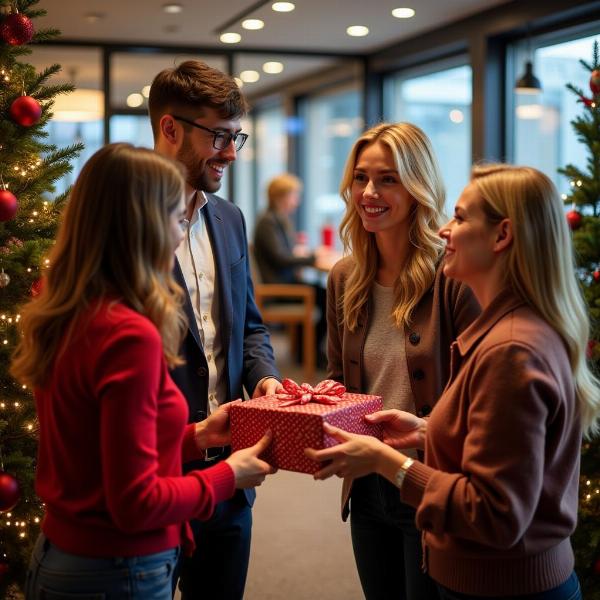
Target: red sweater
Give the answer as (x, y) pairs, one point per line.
(113, 437)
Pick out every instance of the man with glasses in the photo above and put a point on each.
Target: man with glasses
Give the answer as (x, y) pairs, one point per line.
(195, 112)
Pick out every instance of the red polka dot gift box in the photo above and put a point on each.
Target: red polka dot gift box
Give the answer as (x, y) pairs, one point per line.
(296, 419)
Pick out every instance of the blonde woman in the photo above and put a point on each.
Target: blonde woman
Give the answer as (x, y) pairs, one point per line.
(96, 348)
(392, 315)
(497, 496)
(277, 254)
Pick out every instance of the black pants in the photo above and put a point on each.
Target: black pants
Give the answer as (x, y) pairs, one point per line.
(387, 544)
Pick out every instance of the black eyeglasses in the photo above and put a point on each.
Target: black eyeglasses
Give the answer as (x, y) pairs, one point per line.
(221, 139)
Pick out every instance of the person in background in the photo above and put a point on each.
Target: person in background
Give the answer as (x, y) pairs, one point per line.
(195, 113)
(497, 496)
(392, 315)
(96, 348)
(278, 255)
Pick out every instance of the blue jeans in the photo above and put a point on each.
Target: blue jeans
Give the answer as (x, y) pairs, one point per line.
(387, 544)
(57, 575)
(569, 590)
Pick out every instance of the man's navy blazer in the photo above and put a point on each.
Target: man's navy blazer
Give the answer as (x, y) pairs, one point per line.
(245, 339)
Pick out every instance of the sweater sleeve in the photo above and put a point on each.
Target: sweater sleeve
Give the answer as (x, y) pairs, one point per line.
(493, 499)
(138, 496)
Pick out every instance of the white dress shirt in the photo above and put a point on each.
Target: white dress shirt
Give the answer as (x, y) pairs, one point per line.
(197, 263)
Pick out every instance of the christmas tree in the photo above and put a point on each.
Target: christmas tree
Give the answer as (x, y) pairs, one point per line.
(584, 220)
(29, 167)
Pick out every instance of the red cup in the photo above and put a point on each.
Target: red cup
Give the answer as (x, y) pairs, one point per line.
(327, 235)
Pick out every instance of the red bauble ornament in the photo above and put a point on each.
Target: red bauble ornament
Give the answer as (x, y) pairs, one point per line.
(596, 276)
(8, 205)
(16, 29)
(3, 568)
(589, 351)
(595, 81)
(9, 491)
(597, 567)
(25, 111)
(37, 286)
(574, 219)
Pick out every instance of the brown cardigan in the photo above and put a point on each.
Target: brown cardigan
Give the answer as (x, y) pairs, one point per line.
(444, 311)
(497, 498)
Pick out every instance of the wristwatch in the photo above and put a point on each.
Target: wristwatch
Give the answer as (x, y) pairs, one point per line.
(402, 471)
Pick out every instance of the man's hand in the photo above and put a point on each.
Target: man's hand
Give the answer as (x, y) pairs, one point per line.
(266, 387)
(214, 430)
(400, 429)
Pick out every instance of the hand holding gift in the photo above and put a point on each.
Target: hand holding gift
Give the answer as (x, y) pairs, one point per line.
(355, 455)
(249, 470)
(214, 431)
(401, 429)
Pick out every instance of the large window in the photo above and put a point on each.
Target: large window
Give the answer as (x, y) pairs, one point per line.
(439, 103)
(77, 116)
(541, 135)
(329, 126)
(263, 157)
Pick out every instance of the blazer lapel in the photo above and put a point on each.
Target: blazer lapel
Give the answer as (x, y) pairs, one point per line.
(187, 303)
(218, 238)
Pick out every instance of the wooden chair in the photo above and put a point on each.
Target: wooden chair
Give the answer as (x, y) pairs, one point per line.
(297, 312)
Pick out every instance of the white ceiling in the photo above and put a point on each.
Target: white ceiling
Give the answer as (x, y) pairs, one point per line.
(315, 25)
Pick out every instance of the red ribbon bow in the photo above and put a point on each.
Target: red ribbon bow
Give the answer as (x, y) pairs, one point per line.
(326, 392)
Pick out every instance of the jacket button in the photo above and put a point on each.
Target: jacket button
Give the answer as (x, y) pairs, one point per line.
(424, 410)
(414, 338)
(418, 374)
(202, 372)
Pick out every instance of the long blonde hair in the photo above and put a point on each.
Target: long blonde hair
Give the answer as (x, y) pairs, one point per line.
(540, 265)
(420, 175)
(113, 243)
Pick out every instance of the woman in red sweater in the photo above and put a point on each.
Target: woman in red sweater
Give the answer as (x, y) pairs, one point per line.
(96, 348)
(497, 496)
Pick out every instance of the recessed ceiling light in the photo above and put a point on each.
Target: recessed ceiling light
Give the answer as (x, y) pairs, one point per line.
(146, 91)
(249, 76)
(403, 13)
(172, 8)
(239, 82)
(230, 37)
(253, 24)
(272, 67)
(283, 6)
(135, 100)
(357, 30)
(94, 17)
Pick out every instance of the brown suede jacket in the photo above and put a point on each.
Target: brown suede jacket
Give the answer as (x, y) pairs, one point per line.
(443, 312)
(497, 495)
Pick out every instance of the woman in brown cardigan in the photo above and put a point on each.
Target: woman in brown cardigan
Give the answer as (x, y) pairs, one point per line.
(497, 494)
(392, 315)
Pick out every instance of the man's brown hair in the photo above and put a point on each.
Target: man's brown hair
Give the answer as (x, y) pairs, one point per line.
(193, 85)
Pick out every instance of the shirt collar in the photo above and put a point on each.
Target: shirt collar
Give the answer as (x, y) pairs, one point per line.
(506, 301)
(200, 201)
